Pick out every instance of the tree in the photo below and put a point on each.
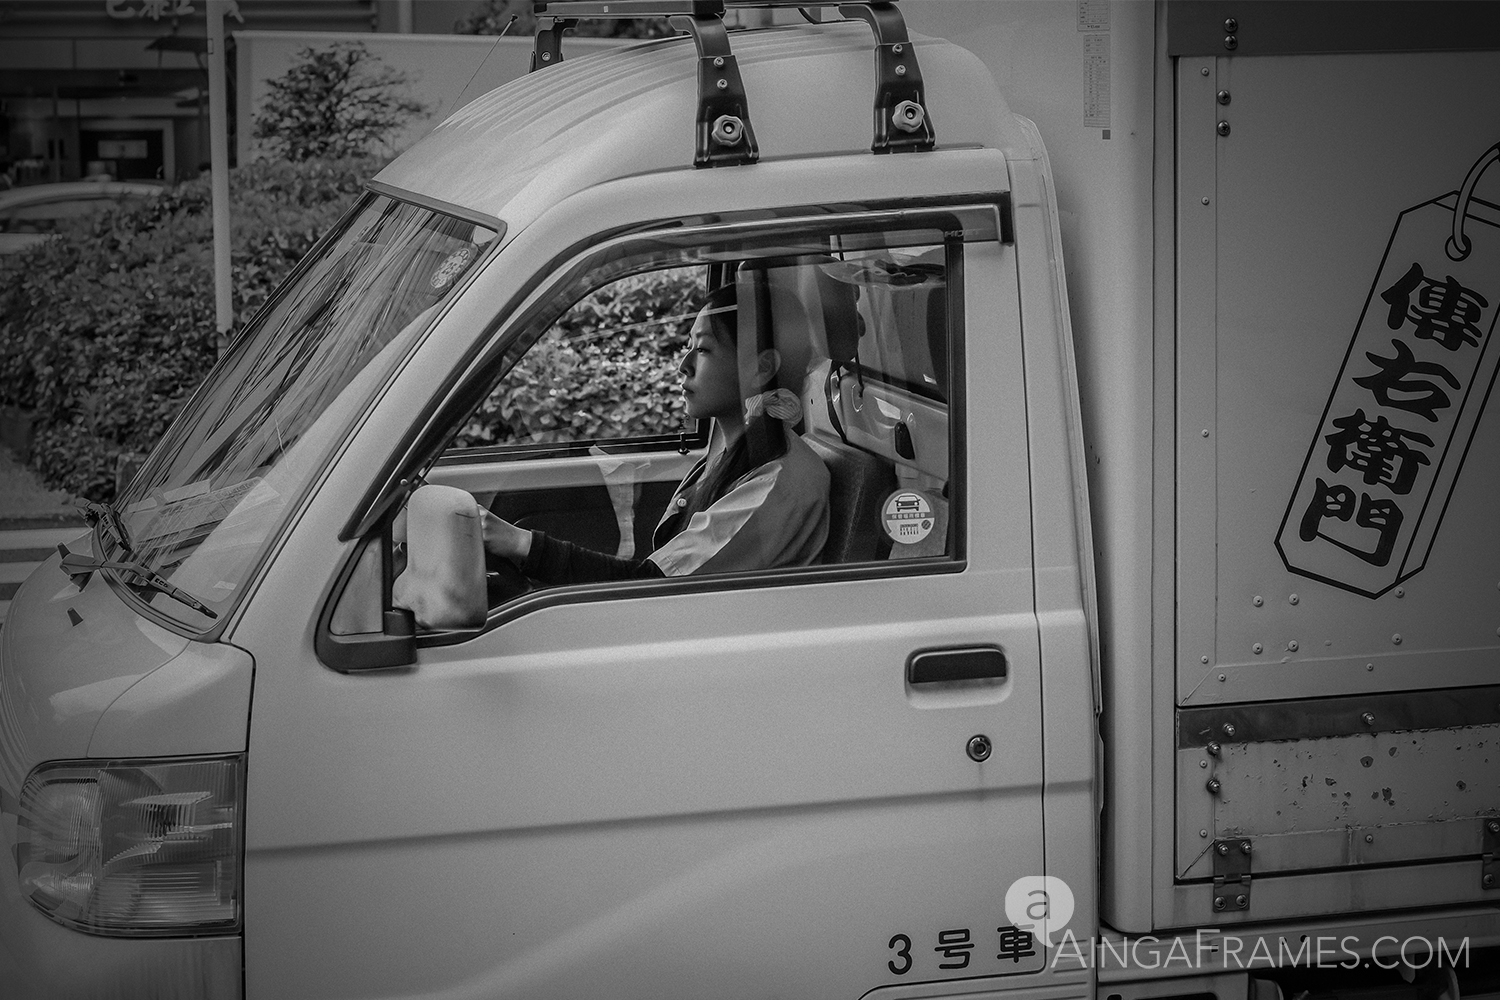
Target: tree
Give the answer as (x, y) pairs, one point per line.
(334, 103)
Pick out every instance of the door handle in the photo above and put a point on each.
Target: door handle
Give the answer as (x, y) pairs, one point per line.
(965, 663)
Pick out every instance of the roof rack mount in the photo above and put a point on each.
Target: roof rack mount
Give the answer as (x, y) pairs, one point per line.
(724, 134)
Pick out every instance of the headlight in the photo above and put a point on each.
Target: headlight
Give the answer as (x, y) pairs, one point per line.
(135, 847)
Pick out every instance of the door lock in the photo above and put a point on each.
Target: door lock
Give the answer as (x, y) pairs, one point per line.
(980, 748)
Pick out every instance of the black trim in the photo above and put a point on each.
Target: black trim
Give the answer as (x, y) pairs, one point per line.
(365, 651)
(1284, 27)
(439, 206)
(958, 413)
(1321, 718)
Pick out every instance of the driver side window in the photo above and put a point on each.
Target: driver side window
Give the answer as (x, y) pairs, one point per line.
(685, 411)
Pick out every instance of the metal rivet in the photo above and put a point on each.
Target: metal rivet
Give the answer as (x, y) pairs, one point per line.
(1292, 599)
(718, 62)
(900, 70)
(1396, 638)
(1203, 763)
(546, 57)
(1369, 838)
(1400, 591)
(1231, 43)
(1202, 659)
(1205, 200)
(1203, 833)
(1204, 432)
(1223, 97)
(1222, 678)
(1292, 645)
(1213, 749)
(1369, 666)
(722, 85)
(979, 747)
(1213, 786)
(1257, 647)
(898, 48)
(1231, 25)
(1228, 729)
(1203, 71)
(1368, 718)
(1258, 600)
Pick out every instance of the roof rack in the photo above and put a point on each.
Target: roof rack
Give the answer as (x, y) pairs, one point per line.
(724, 133)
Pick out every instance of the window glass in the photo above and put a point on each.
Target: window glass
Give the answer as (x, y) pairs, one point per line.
(261, 427)
(686, 408)
(605, 370)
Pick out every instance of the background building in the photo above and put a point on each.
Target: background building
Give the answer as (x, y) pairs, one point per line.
(119, 87)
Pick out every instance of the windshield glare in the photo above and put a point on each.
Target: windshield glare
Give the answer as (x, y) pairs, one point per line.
(226, 474)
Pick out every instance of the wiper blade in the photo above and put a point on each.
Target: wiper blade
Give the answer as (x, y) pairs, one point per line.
(79, 567)
(102, 514)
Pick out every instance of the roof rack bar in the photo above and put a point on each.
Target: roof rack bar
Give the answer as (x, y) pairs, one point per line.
(725, 137)
(667, 8)
(902, 123)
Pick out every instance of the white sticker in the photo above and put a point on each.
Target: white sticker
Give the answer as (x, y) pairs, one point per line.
(907, 517)
(451, 268)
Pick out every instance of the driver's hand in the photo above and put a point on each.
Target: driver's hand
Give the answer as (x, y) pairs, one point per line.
(505, 539)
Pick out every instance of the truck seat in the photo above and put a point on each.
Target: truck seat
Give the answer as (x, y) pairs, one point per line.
(816, 328)
(858, 484)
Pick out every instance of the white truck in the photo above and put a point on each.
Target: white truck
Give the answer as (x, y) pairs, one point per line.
(1152, 650)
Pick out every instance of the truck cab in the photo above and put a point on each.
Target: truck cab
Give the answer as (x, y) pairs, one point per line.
(962, 693)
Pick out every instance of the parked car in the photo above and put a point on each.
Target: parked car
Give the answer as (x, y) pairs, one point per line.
(31, 214)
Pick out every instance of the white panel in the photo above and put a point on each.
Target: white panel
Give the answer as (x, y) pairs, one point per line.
(1325, 190)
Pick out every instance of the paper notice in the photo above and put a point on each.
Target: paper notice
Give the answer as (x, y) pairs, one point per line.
(1096, 81)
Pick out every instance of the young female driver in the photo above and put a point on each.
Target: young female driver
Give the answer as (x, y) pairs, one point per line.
(757, 500)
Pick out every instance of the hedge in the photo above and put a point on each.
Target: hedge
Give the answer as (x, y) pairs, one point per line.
(105, 332)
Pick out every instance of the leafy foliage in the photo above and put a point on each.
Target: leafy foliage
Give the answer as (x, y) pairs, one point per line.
(492, 17)
(606, 369)
(106, 331)
(334, 103)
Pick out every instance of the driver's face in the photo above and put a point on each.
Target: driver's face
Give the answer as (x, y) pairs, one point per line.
(710, 373)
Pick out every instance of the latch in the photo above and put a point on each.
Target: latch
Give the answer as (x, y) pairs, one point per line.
(1489, 869)
(1231, 875)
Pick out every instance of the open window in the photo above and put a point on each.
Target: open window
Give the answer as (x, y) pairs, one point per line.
(581, 430)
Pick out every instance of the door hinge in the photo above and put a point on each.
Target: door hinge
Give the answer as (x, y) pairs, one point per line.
(1231, 875)
(1489, 868)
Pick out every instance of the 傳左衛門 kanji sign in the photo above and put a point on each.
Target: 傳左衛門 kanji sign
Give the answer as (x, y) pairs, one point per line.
(1397, 427)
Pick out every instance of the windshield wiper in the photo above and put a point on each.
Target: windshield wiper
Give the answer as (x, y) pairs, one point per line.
(104, 516)
(79, 567)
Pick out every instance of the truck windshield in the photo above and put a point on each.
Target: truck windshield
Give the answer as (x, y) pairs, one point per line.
(234, 463)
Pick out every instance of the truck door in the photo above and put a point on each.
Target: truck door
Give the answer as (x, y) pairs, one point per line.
(813, 776)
